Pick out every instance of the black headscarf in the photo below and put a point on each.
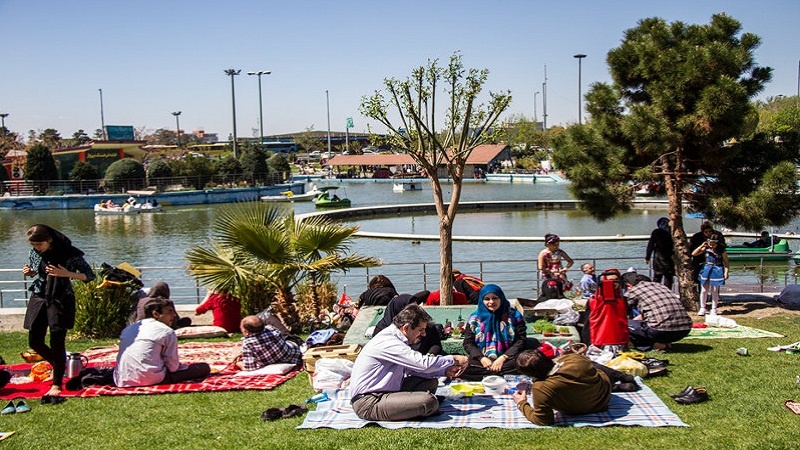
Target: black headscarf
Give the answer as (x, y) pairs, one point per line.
(396, 305)
(57, 254)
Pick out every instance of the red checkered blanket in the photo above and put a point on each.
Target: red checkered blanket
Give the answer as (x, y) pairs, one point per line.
(217, 354)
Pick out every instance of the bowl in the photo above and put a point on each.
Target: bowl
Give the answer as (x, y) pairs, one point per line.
(494, 384)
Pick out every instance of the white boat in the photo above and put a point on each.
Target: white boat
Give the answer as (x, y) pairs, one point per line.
(115, 210)
(404, 186)
(148, 207)
(289, 196)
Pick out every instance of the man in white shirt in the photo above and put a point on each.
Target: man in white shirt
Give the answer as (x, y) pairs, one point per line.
(148, 350)
(392, 381)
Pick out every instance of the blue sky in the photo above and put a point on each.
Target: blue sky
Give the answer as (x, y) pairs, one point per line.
(151, 58)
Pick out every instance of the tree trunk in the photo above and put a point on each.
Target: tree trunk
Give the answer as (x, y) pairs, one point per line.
(682, 255)
(446, 260)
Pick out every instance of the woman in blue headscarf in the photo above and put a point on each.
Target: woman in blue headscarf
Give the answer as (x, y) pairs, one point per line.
(494, 335)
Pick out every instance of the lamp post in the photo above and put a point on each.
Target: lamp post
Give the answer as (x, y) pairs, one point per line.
(579, 57)
(328, 105)
(544, 100)
(178, 126)
(3, 121)
(260, 108)
(102, 117)
(535, 117)
(232, 73)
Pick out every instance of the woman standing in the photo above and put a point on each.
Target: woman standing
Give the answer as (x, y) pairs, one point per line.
(713, 273)
(53, 262)
(495, 334)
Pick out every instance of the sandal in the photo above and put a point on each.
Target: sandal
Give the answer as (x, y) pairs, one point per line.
(52, 400)
(294, 411)
(793, 406)
(272, 414)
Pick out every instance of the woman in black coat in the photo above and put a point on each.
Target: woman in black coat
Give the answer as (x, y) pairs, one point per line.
(52, 262)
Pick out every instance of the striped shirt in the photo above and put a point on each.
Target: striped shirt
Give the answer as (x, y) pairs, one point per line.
(661, 308)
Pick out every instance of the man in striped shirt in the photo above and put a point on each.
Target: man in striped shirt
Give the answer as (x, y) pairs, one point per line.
(662, 319)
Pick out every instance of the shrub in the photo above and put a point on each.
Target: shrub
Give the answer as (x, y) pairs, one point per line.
(126, 173)
(103, 311)
(83, 171)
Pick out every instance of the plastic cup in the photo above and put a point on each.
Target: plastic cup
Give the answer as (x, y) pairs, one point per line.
(741, 351)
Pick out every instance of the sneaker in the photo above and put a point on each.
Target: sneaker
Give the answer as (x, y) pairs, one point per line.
(714, 312)
(701, 312)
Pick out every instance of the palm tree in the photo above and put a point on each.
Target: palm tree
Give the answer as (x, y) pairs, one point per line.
(260, 253)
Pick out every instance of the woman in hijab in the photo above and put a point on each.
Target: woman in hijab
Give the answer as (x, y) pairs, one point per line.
(52, 262)
(494, 336)
(431, 344)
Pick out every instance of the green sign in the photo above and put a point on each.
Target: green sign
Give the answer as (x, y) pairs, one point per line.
(349, 122)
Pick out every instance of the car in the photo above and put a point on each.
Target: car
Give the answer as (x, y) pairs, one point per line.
(316, 154)
(369, 151)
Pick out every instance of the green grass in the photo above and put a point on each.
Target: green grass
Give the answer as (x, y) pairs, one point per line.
(745, 411)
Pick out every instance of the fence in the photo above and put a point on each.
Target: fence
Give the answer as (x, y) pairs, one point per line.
(518, 278)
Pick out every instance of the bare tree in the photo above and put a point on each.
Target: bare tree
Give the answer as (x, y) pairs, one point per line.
(465, 126)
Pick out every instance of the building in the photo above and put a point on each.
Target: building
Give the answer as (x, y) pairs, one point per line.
(482, 160)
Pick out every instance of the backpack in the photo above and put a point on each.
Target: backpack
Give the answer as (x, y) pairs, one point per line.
(550, 289)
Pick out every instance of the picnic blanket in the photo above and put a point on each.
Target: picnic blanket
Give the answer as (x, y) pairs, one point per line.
(738, 331)
(218, 354)
(642, 408)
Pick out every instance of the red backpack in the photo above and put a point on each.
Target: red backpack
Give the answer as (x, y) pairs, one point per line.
(608, 315)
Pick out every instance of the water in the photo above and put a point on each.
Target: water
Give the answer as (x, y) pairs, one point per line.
(161, 239)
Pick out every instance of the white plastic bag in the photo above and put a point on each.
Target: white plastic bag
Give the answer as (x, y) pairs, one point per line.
(331, 373)
(568, 318)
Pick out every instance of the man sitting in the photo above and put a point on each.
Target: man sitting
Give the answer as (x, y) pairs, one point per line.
(390, 380)
(263, 345)
(588, 283)
(662, 317)
(148, 350)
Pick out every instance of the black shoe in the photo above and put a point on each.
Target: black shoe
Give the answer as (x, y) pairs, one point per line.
(687, 390)
(656, 371)
(698, 395)
(272, 414)
(625, 387)
(653, 362)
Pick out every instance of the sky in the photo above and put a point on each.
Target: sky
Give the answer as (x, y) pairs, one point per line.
(152, 58)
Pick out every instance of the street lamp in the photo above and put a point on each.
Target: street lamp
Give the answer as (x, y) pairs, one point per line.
(3, 119)
(102, 117)
(579, 57)
(232, 73)
(535, 117)
(328, 104)
(260, 109)
(178, 127)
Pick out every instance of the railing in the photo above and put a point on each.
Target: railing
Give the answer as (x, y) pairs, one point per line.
(517, 277)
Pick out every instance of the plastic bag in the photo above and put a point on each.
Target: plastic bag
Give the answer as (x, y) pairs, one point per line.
(625, 363)
(714, 320)
(331, 373)
(570, 317)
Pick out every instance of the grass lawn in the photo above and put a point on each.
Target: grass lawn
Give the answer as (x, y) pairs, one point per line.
(745, 411)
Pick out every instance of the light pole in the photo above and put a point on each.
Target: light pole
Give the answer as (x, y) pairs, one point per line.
(328, 104)
(260, 109)
(544, 100)
(579, 57)
(102, 117)
(535, 117)
(3, 121)
(232, 73)
(178, 127)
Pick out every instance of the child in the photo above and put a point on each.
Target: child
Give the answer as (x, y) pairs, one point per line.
(713, 273)
(550, 261)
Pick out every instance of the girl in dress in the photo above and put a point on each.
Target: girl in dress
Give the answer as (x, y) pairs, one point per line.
(713, 273)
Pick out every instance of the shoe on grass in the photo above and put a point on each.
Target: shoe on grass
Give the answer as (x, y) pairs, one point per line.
(701, 312)
(22, 407)
(9, 409)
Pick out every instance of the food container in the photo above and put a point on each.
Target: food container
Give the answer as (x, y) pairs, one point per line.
(494, 385)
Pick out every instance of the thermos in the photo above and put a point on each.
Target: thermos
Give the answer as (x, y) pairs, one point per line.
(75, 362)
